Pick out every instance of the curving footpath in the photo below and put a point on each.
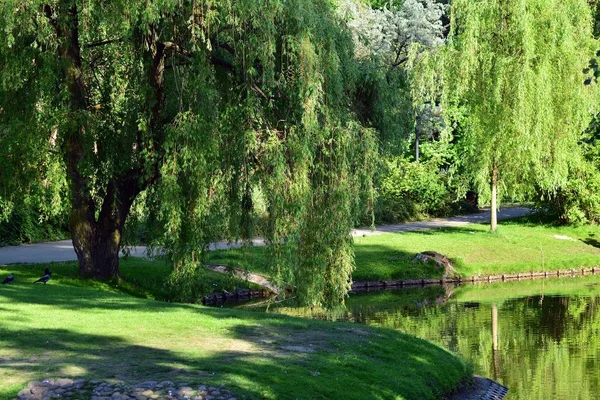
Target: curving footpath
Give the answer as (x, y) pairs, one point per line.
(63, 249)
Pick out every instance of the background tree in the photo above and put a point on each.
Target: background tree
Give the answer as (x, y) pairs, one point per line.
(196, 104)
(510, 82)
(389, 43)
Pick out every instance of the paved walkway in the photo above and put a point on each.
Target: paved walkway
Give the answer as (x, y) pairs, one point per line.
(461, 220)
(63, 250)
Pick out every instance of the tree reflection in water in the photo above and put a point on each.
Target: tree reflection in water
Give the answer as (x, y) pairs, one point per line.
(548, 332)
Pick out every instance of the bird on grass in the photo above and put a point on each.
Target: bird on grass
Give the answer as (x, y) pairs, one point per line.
(44, 278)
(8, 279)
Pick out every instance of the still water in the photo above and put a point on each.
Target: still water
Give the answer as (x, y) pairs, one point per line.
(539, 338)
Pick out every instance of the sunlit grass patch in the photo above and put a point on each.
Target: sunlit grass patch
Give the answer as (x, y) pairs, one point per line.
(68, 328)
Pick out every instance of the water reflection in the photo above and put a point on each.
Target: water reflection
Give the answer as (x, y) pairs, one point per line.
(541, 339)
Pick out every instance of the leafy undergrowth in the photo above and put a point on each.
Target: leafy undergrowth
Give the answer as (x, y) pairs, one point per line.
(78, 328)
(520, 245)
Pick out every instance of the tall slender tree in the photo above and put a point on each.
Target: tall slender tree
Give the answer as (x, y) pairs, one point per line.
(512, 82)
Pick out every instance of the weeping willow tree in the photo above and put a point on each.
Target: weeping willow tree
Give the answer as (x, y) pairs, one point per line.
(196, 104)
(512, 85)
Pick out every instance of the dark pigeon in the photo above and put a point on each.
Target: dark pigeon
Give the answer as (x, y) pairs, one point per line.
(8, 279)
(44, 278)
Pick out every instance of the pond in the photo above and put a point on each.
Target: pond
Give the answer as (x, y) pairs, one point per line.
(539, 338)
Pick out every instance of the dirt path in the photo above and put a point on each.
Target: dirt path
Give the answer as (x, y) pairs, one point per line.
(63, 250)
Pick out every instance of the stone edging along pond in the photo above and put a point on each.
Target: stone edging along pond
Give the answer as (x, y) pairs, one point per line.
(245, 294)
(385, 284)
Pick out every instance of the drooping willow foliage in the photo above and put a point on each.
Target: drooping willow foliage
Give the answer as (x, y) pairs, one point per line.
(199, 104)
(512, 81)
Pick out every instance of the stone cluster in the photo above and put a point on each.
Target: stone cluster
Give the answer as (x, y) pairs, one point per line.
(98, 390)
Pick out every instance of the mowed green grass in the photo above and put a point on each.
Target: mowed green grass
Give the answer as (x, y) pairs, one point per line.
(77, 328)
(520, 245)
(139, 277)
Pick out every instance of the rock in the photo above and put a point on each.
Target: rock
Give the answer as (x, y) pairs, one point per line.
(39, 391)
(64, 382)
(186, 391)
(440, 261)
(78, 389)
(171, 391)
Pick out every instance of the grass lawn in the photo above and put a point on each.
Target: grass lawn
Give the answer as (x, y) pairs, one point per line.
(140, 277)
(520, 245)
(75, 328)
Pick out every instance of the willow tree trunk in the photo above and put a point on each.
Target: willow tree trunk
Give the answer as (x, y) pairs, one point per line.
(97, 241)
(493, 210)
(96, 229)
(97, 247)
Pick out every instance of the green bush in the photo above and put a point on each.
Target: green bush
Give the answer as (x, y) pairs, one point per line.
(26, 224)
(578, 201)
(410, 190)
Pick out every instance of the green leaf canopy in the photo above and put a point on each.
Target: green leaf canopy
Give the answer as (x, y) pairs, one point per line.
(198, 104)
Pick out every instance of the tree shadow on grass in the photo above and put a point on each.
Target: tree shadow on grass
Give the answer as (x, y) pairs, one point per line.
(375, 262)
(256, 355)
(590, 241)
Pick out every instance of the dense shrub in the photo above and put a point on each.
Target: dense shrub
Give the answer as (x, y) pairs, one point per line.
(576, 202)
(27, 224)
(410, 190)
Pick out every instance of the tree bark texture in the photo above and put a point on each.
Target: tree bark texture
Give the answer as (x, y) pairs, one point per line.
(97, 241)
(96, 232)
(494, 207)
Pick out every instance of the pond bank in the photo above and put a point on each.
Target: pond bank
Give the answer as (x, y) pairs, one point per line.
(481, 388)
(523, 246)
(269, 290)
(375, 285)
(82, 329)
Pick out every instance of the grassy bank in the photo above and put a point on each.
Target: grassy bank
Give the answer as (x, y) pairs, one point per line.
(520, 245)
(140, 277)
(76, 328)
